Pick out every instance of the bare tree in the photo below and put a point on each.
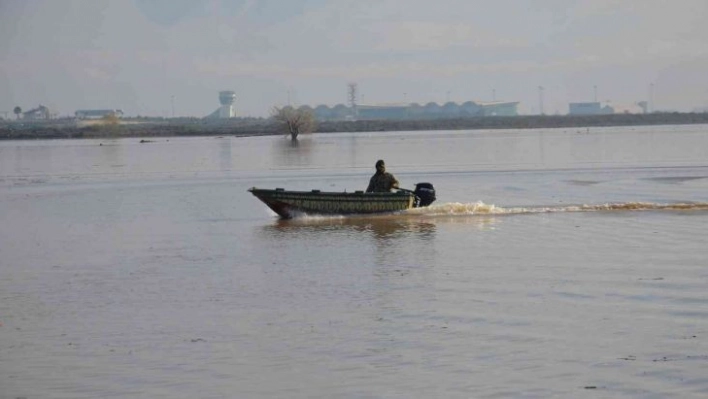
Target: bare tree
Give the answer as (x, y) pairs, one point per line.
(17, 111)
(294, 121)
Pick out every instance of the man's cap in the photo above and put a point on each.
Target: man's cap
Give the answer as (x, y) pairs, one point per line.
(380, 162)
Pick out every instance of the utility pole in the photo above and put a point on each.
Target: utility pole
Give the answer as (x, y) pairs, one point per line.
(651, 97)
(540, 100)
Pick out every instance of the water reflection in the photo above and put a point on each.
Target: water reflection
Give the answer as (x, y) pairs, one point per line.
(19, 165)
(387, 240)
(225, 155)
(287, 152)
(381, 227)
(110, 156)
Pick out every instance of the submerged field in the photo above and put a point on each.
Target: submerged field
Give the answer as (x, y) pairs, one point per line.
(555, 263)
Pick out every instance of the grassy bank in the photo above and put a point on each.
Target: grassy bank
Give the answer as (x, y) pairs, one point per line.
(62, 129)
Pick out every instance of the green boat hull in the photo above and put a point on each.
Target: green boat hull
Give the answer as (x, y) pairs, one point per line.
(289, 204)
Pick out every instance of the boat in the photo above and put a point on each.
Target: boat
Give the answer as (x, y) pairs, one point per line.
(289, 204)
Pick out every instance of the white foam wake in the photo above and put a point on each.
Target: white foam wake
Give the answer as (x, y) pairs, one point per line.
(480, 208)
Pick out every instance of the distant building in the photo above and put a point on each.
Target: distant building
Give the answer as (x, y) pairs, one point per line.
(227, 110)
(383, 111)
(41, 112)
(596, 108)
(499, 108)
(97, 113)
(590, 108)
(431, 110)
(638, 108)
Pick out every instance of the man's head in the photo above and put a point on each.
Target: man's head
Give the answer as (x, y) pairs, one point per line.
(380, 166)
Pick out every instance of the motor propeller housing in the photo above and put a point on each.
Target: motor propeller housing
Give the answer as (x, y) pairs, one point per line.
(425, 193)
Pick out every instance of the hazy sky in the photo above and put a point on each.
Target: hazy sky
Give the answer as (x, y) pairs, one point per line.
(139, 55)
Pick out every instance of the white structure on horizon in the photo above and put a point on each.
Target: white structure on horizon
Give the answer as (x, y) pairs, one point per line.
(597, 108)
(227, 99)
(589, 108)
(97, 113)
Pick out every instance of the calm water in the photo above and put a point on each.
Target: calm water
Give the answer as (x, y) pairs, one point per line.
(133, 270)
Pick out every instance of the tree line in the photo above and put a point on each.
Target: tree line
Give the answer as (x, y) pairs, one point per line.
(295, 125)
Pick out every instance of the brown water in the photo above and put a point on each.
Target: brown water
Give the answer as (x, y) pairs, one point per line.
(555, 263)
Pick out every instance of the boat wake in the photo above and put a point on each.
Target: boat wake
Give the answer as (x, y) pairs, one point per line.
(480, 208)
(453, 210)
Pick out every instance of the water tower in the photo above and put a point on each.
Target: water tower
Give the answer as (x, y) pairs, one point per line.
(227, 99)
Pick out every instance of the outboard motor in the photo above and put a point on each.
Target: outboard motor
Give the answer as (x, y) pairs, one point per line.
(425, 193)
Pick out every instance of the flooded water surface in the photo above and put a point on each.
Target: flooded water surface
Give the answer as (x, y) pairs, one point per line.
(554, 263)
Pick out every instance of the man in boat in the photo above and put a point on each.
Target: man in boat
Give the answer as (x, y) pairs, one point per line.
(381, 181)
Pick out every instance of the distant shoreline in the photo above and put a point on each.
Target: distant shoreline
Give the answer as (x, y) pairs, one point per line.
(69, 129)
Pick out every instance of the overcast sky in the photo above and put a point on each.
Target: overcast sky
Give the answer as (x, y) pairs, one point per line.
(143, 56)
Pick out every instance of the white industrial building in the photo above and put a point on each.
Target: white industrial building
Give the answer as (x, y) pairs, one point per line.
(589, 108)
(431, 110)
(596, 108)
(97, 113)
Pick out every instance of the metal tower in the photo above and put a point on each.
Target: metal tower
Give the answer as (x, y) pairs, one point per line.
(351, 96)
